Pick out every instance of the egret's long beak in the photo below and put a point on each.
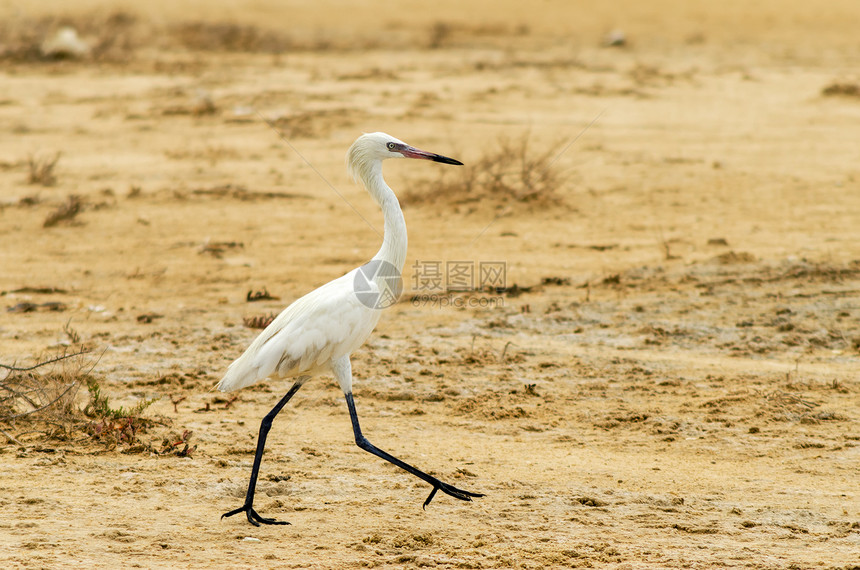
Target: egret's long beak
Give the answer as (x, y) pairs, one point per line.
(412, 152)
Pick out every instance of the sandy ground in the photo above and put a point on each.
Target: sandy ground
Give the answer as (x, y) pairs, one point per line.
(677, 389)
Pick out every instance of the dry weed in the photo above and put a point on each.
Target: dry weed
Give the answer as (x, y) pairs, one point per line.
(512, 174)
(43, 402)
(841, 90)
(42, 170)
(38, 402)
(259, 321)
(66, 212)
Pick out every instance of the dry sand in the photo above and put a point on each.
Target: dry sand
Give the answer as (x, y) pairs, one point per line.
(680, 392)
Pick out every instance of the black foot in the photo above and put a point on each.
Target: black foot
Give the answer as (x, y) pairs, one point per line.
(450, 490)
(252, 515)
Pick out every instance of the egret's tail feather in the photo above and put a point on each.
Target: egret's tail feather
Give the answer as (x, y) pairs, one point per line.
(236, 377)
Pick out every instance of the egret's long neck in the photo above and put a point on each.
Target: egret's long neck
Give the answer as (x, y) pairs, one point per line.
(394, 241)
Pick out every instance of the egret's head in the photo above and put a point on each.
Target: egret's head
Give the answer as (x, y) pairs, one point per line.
(370, 149)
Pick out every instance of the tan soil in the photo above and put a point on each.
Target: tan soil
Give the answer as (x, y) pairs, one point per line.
(683, 393)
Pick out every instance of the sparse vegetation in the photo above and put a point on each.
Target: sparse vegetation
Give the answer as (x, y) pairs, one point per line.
(73, 335)
(439, 33)
(114, 37)
(38, 402)
(259, 321)
(65, 212)
(42, 170)
(99, 406)
(114, 426)
(42, 396)
(511, 174)
(841, 90)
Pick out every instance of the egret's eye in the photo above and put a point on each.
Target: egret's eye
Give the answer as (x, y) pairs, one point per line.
(391, 146)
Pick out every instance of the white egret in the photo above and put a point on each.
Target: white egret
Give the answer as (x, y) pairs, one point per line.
(318, 332)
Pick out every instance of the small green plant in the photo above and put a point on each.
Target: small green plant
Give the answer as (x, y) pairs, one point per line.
(116, 426)
(99, 406)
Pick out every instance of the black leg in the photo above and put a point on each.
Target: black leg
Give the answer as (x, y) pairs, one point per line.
(438, 485)
(248, 508)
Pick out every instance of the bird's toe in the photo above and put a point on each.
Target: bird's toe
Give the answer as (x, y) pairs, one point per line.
(452, 491)
(253, 516)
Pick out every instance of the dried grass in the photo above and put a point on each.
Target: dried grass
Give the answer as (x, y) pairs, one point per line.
(38, 403)
(841, 90)
(42, 170)
(512, 174)
(65, 212)
(259, 321)
(41, 398)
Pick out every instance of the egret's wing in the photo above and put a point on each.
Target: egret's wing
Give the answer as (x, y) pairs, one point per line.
(327, 323)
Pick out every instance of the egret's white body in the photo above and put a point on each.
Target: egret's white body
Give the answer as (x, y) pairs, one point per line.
(329, 323)
(322, 327)
(317, 333)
